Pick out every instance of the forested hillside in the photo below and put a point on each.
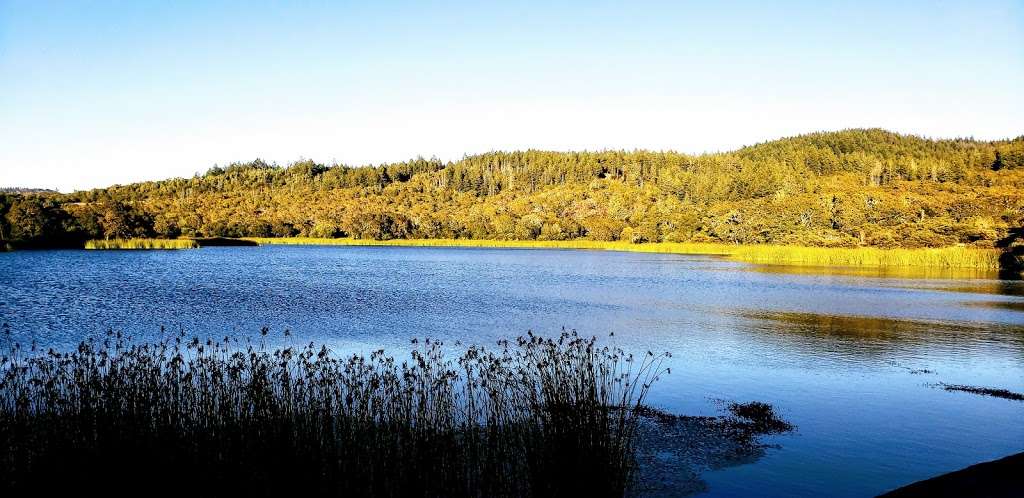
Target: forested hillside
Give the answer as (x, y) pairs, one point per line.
(850, 188)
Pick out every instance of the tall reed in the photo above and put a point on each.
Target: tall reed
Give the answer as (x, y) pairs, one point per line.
(141, 244)
(945, 257)
(531, 417)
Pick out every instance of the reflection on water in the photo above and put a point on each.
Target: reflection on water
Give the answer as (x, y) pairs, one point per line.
(870, 327)
(1006, 305)
(835, 351)
(858, 331)
(967, 280)
(999, 287)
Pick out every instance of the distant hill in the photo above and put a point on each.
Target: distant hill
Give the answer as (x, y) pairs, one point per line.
(858, 187)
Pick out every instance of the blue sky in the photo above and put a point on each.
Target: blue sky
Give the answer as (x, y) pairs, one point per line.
(95, 93)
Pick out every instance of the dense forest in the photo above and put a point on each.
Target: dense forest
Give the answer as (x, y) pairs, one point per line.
(862, 187)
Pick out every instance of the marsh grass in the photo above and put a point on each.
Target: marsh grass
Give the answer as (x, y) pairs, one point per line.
(946, 257)
(531, 417)
(141, 244)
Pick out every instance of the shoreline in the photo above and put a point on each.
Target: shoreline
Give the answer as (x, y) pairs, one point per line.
(954, 258)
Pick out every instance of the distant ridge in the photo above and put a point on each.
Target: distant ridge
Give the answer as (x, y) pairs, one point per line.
(849, 188)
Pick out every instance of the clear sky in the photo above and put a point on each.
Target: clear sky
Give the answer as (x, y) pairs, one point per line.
(95, 93)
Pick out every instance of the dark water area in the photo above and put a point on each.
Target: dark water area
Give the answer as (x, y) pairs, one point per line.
(852, 358)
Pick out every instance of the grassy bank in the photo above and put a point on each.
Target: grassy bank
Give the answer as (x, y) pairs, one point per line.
(142, 244)
(947, 257)
(532, 417)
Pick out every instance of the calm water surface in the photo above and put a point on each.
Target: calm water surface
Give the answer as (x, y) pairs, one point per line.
(836, 353)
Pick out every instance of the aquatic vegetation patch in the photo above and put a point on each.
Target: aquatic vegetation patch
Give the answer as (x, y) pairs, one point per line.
(757, 417)
(531, 417)
(673, 450)
(984, 391)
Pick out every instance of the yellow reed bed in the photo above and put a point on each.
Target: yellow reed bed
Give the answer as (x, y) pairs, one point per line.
(945, 257)
(142, 244)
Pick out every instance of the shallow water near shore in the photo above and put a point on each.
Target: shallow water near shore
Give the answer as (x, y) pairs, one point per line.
(850, 358)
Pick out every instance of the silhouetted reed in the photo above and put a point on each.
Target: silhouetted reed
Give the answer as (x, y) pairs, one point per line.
(531, 417)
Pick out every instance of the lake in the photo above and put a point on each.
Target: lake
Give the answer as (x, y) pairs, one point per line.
(851, 358)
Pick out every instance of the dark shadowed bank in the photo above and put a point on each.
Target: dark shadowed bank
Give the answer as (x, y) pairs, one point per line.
(1003, 478)
(224, 242)
(531, 417)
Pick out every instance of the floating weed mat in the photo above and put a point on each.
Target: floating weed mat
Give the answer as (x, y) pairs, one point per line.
(983, 391)
(673, 450)
(531, 417)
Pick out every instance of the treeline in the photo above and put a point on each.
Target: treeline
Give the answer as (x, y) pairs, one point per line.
(24, 190)
(863, 187)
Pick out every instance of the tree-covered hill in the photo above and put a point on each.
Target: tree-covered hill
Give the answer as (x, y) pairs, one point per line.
(849, 188)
